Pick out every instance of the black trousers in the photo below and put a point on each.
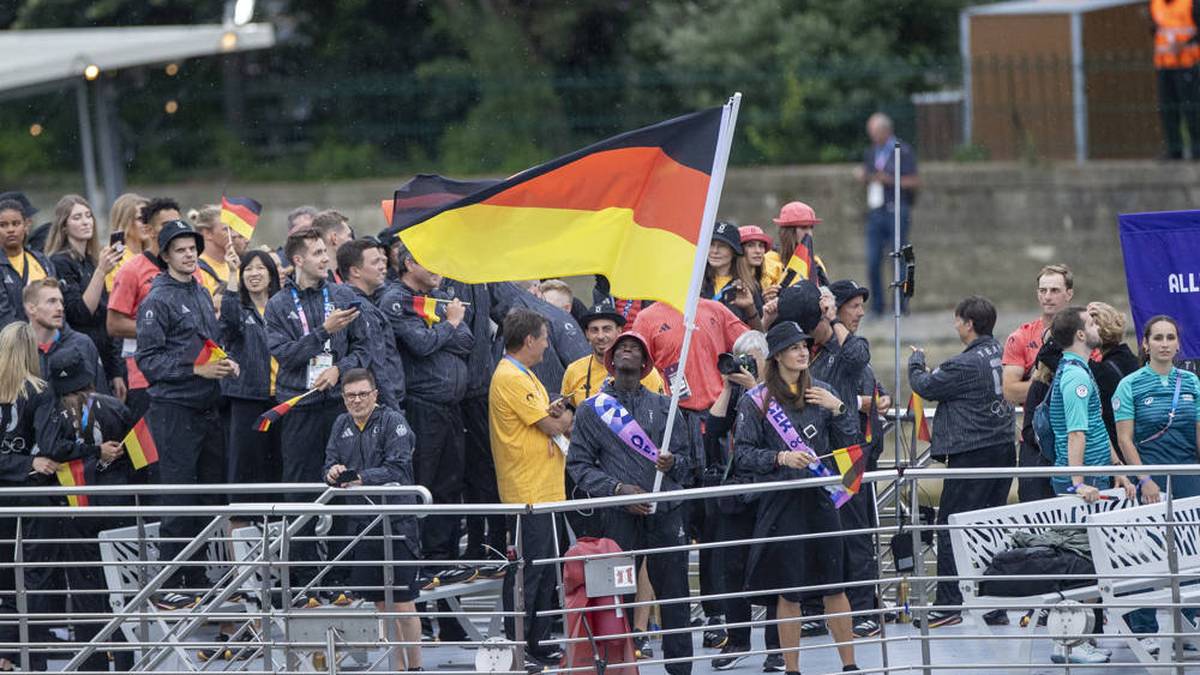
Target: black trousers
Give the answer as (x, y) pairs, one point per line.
(303, 435)
(861, 561)
(191, 451)
(480, 481)
(1033, 488)
(253, 456)
(667, 571)
(438, 465)
(731, 561)
(702, 527)
(537, 541)
(961, 495)
(1178, 100)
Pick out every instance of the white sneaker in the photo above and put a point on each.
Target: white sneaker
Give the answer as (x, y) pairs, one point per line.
(1084, 653)
(1150, 645)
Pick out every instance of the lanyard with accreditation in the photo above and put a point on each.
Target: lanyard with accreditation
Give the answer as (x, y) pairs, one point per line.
(791, 438)
(323, 361)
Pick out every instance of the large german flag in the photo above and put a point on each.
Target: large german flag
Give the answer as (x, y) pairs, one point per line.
(424, 194)
(629, 208)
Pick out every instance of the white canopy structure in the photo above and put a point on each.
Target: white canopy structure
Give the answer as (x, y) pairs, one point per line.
(41, 60)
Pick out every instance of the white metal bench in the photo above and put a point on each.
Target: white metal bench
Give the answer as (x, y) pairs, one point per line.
(1119, 549)
(119, 551)
(990, 532)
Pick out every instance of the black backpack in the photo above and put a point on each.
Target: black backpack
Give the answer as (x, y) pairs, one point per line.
(1046, 560)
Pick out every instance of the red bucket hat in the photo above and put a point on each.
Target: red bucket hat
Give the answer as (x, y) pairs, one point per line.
(795, 214)
(647, 364)
(754, 233)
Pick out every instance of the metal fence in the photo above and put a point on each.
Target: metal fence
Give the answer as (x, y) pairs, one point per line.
(247, 552)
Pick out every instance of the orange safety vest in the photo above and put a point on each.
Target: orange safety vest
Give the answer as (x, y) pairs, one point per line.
(1174, 30)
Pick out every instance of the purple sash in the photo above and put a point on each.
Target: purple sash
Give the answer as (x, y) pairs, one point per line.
(621, 423)
(791, 438)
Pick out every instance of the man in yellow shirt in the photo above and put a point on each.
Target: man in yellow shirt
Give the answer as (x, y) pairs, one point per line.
(526, 432)
(585, 376)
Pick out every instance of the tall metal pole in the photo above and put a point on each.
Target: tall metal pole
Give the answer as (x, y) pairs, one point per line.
(87, 148)
(711, 203)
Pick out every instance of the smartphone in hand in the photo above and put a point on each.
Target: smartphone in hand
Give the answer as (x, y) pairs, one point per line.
(117, 240)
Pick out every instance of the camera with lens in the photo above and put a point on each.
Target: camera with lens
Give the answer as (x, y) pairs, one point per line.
(728, 364)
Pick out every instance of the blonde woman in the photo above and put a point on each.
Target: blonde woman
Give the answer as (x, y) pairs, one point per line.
(1116, 361)
(81, 266)
(126, 217)
(23, 396)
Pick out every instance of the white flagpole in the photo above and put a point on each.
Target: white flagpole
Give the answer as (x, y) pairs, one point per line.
(711, 203)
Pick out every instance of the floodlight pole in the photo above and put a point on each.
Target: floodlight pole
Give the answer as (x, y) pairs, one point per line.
(87, 148)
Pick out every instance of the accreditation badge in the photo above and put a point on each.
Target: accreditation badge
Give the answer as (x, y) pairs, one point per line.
(317, 365)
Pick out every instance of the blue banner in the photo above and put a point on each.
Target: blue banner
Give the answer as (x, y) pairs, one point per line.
(1162, 271)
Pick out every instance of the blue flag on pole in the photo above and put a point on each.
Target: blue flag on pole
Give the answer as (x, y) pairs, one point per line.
(1162, 271)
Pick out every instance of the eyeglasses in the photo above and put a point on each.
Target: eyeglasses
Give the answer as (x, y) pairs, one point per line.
(358, 396)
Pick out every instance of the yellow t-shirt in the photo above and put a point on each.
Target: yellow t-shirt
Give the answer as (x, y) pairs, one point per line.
(274, 363)
(773, 264)
(207, 280)
(720, 281)
(577, 376)
(112, 275)
(35, 270)
(773, 269)
(529, 466)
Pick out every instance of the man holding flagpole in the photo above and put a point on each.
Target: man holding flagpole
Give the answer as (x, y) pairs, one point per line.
(173, 323)
(614, 451)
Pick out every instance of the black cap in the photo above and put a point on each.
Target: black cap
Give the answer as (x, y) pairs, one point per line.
(801, 303)
(604, 310)
(173, 229)
(784, 334)
(68, 371)
(27, 208)
(727, 233)
(845, 290)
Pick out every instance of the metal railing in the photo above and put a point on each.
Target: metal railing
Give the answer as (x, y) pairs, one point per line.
(253, 593)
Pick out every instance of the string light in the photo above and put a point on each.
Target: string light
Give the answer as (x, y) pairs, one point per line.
(35, 129)
(91, 72)
(171, 107)
(172, 69)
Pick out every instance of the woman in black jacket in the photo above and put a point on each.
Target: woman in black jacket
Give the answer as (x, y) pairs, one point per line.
(81, 265)
(1116, 361)
(785, 426)
(25, 405)
(253, 456)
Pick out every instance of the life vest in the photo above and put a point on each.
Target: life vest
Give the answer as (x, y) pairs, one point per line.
(1173, 35)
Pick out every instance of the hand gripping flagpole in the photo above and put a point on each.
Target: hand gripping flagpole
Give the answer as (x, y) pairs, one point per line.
(711, 202)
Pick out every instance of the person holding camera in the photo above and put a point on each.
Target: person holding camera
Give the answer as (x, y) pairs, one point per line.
(742, 369)
(373, 444)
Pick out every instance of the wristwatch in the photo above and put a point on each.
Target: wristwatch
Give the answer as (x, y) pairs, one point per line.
(841, 410)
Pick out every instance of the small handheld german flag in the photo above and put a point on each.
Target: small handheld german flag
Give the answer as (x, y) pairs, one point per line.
(272, 416)
(802, 258)
(140, 445)
(426, 308)
(240, 214)
(851, 463)
(209, 352)
(70, 474)
(916, 408)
